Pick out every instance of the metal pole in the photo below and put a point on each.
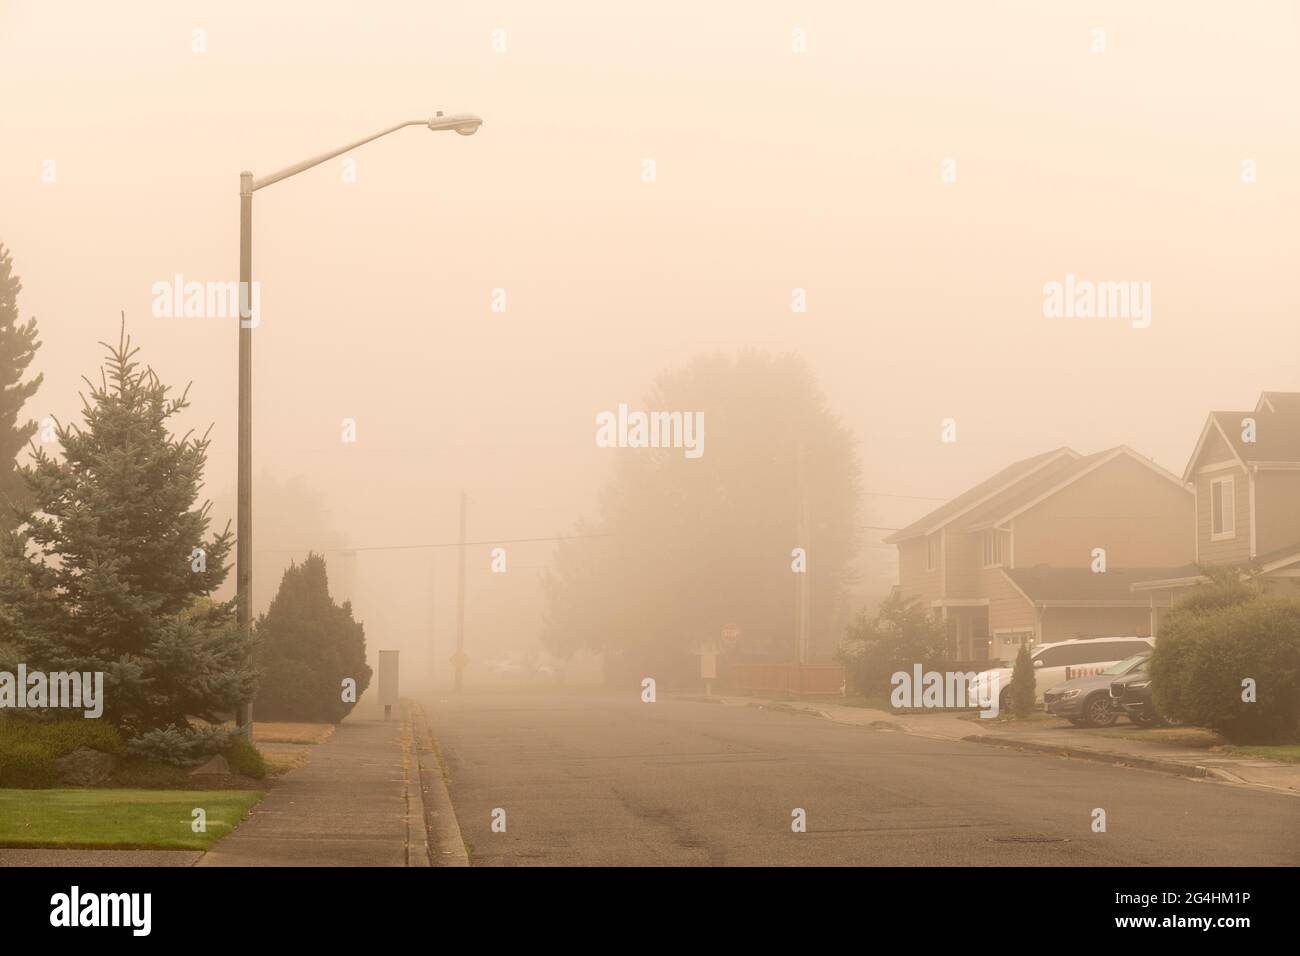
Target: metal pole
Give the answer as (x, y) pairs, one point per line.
(805, 533)
(244, 519)
(463, 123)
(460, 599)
(433, 618)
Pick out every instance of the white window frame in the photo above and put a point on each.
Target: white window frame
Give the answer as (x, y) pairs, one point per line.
(992, 545)
(1023, 635)
(1228, 501)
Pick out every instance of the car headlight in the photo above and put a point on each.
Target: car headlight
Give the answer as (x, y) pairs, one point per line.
(1070, 694)
(1141, 686)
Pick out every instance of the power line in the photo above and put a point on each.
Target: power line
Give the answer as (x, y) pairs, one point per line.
(887, 494)
(439, 544)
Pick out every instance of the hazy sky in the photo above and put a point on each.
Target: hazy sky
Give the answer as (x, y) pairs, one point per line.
(774, 170)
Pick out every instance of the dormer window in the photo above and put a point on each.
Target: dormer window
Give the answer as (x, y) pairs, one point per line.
(992, 548)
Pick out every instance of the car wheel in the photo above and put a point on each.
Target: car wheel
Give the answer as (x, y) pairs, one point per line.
(1097, 711)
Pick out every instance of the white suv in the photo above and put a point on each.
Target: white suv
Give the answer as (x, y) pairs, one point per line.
(1065, 660)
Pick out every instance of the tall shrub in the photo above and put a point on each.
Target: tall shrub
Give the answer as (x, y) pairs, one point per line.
(308, 645)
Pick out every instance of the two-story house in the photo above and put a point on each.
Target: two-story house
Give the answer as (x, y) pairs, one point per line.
(1048, 549)
(1245, 475)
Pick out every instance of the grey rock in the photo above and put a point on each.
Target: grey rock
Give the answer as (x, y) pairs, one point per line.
(217, 765)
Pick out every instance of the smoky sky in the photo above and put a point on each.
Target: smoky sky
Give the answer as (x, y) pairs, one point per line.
(774, 169)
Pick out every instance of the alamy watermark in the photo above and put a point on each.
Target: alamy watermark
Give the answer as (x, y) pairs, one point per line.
(626, 429)
(37, 690)
(1082, 299)
(75, 908)
(949, 689)
(179, 299)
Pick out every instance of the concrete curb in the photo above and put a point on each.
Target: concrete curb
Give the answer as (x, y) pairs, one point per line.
(1101, 756)
(445, 844)
(1115, 758)
(418, 851)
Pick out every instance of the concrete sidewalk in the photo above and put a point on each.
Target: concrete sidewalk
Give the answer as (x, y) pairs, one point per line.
(1054, 737)
(356, 803)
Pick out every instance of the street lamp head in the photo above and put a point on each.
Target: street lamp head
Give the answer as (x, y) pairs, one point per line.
(464, 123)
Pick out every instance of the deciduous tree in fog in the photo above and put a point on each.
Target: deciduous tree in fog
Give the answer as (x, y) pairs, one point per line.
(695, 544)
(112, 563)
(18, 345)
(308, 645)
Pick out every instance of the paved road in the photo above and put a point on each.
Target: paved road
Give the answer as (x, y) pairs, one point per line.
(602, 781)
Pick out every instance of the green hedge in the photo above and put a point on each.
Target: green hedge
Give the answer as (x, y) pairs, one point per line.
(1203, 655)
(28, 748)
(246, 759)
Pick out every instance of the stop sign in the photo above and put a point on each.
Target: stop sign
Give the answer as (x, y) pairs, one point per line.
(730, 633)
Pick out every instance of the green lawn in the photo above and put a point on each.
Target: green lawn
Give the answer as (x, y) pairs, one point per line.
(1288, 752)
(1199, 737)
(1195, 737)
(119, 819)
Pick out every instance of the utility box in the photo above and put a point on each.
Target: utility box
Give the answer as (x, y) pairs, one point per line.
(388, 681)
(708, 665)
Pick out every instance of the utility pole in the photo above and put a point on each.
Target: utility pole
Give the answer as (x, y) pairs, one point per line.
(433, 618)
(805, 532)
(460, 660)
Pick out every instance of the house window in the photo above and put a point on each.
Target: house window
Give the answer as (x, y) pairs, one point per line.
(1223, 509)
(992, 548)
(1009, 643)
(931, 552)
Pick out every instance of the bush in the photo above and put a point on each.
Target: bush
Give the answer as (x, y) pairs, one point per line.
(900, 635)
(28, 766)
(1023, 688)
(29, 748)
(1207, 650)
(245, 759)
(307, 646)
(181, 747)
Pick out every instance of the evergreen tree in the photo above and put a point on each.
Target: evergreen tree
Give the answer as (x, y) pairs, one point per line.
(18, 344)
(1024, 684)
(307, 647)
(112, 565)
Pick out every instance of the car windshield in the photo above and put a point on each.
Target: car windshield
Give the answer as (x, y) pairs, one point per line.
(1124, 666)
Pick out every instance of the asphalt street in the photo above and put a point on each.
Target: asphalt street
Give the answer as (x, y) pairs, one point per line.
(614, 781)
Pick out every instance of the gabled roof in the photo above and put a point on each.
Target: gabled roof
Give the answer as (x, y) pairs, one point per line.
(1002, 508)
(1042, 584)
(1278, 402)
(987, 514)
(1279, 557)
(1276, 560)
(1277, 432)
(1014, 474)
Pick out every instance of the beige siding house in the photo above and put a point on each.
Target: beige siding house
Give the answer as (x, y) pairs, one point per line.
(1245, 475)
(1048, 549)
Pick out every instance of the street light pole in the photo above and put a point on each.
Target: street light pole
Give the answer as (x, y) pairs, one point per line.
(465, 124)
(244, 520)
